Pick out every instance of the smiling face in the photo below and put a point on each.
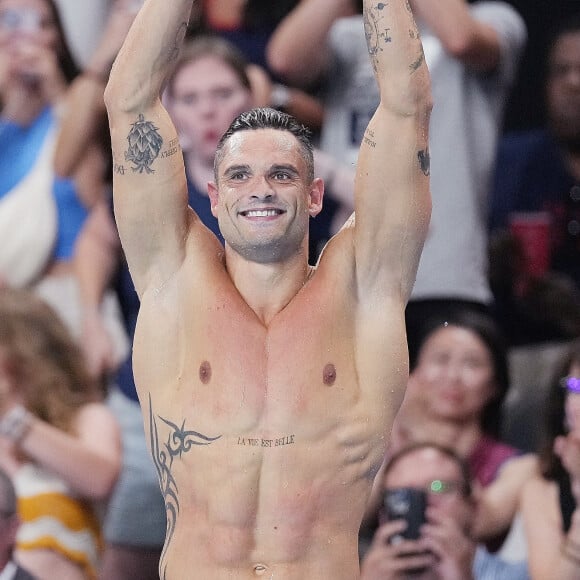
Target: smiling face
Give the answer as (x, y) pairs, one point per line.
(264, 198)
(454, 376)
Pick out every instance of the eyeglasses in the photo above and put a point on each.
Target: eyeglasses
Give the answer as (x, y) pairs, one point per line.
(442, 487)
(572, 384)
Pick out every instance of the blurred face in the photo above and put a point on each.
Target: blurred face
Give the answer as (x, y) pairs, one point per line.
(263, 198)
(428, 469)
(563, 89)
(207, 96)
(24, 22)
(454, 376)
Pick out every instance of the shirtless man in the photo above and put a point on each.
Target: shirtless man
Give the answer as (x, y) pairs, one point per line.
(268, 388)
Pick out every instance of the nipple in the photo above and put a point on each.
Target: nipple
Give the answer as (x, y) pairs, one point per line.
(205, 372)
(329, 374)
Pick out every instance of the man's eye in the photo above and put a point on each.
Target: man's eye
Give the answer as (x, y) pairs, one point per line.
(239, 175)
(281, 175)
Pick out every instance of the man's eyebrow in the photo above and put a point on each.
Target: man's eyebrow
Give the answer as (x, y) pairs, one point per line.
(285, 167)
(235, 169)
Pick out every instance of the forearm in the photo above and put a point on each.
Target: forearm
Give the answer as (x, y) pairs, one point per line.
(473, 42)
(151, 47)
(85, 111)
(90, 473)
(397, 57)
(296, 50)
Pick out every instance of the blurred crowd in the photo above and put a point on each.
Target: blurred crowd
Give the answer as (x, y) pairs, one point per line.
(488, 429)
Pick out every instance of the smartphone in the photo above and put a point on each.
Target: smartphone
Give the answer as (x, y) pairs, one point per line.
(409, 504)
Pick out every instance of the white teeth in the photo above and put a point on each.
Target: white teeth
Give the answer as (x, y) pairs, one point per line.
(261, 213)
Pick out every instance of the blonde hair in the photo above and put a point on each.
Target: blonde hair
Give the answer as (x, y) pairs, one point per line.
(41, 360)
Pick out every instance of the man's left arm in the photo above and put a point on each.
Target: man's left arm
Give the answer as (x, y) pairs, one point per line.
(392, 196)
(471, 40)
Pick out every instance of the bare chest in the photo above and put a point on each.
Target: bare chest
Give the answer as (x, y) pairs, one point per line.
(222, 367)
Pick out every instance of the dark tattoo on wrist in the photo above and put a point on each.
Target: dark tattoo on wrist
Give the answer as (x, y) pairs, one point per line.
(425, 161)
(376, 36)
(145, 143)
(417, 63)
(177, 442)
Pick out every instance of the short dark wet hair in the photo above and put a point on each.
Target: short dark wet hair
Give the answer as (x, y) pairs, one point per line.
(268, 118)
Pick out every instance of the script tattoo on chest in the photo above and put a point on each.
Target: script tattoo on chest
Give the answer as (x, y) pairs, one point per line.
(261, 442)
(168, 443)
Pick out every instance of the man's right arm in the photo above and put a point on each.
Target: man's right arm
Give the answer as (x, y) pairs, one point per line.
(150, 188)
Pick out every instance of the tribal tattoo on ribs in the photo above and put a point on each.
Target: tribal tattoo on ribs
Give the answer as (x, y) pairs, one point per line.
(165, 449)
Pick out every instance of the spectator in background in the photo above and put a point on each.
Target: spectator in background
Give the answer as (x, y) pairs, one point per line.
(445, 549)
(535, 209)
(36, 69)
(9, 523)
(58, 442)
(454, 398)
(550, 500)
(247, 24)
(472, 53)
(322, 43)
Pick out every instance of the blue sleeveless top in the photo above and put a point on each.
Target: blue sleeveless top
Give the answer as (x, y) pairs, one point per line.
(20, 148)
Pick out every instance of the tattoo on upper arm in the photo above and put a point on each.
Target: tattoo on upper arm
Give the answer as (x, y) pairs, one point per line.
(177, 442)
(425, 161)
(375, 34)
(145, 143)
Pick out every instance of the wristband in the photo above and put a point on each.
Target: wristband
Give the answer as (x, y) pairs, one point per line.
(16, 424)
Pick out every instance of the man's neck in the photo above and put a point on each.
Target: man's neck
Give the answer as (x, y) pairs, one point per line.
(267, 288)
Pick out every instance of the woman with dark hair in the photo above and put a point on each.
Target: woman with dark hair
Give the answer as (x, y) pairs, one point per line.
(550, 500)
(456, 388)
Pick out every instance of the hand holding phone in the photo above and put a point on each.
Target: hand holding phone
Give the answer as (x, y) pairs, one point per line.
(409, 504)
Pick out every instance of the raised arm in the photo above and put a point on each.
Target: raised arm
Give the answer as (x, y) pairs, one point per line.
(392, 197)
(471, 41)
(150, 189)
(297, 50)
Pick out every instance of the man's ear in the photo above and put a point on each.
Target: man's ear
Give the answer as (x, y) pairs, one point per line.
(316, 195)
(214, 197)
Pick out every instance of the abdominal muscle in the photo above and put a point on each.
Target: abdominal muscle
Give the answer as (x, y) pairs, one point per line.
(273, 513)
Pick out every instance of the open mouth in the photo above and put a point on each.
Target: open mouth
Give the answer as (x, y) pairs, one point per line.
(261, 213)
